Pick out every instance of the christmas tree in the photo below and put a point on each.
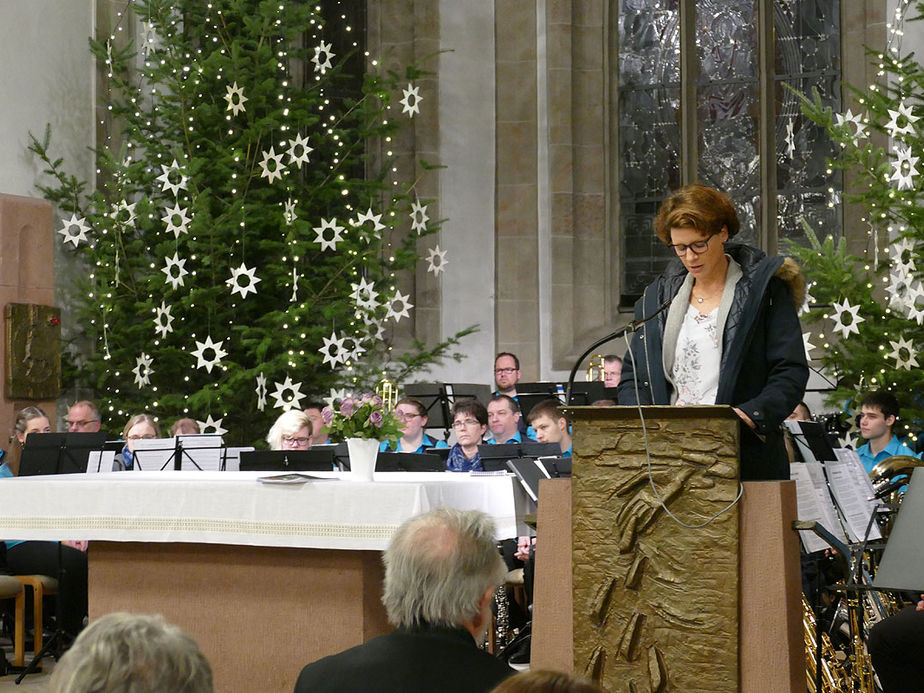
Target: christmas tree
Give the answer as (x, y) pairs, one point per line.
(243, 242)
(866, 313)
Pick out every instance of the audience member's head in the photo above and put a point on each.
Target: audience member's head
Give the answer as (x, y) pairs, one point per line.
(603, 403)
(545, 681)
(132, 653)
(441, 569)
(30, 420)
(185, 427)
(292, 431)
(612, 370)
(506, 373)
(83, 417)
(550, 423)
(503, 417)
(140, 427)
(800, 413)
(318, 432)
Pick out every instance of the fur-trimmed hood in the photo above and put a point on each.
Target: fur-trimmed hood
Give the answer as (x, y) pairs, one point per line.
(791, 273)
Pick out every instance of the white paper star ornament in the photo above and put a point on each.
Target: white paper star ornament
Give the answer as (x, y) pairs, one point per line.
(437, 261)
(175, 279)
(211, 425)
(124, 213)
(261, 392)
(236, 99)
(399, 306)
(333, 350)
(364, 295)
(293, 401)
(806, 336)
(172, 178)
(298, 151)
(328, 243)
(143, 370)
(243, 280)
(847, 318)
(419, 217)
(322, 57)
(274, 171)
(904, 114)
(411, 100)
(163, 320)
(176, 220)
(904, 353)
(374, 219)
(75, 230)
(208, 363)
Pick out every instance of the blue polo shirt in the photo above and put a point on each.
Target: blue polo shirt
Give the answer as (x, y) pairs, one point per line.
(515, 438)
(427, 442)
(894, 447)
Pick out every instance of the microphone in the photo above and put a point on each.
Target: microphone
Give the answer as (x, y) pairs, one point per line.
(631, 327)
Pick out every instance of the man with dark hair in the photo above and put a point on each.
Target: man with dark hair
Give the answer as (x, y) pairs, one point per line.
(506, 373)
(441, 570)
(504, 420)
(318, 432)
(878, 413)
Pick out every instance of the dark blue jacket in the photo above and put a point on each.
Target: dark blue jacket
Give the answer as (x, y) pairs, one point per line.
(763, 370)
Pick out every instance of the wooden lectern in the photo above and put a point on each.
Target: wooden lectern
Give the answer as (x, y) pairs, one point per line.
(688, 586)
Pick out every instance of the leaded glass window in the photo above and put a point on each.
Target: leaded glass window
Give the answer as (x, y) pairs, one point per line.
(726, 119)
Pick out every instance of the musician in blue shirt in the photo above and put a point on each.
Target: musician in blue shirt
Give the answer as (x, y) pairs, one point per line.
(413, 417)
(504, 421)
(551, 425)
(878, 414)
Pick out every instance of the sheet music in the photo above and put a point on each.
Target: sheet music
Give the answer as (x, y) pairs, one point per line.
(153, 454)
(100, 461)
(852, 489)
(232, 458)
(200, 452)
(814, 504)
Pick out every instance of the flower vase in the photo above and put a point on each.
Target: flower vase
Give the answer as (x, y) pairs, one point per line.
(363, 452)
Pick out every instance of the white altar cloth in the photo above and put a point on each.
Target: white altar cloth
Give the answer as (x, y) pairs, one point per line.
(234, 508)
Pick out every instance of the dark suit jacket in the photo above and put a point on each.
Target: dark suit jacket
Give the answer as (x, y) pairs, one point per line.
(420, 660)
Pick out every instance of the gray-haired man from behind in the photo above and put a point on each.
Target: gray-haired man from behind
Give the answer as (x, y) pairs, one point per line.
(140, 653)
(441, 570)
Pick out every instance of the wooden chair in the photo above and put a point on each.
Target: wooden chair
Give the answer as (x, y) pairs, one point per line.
(11, 588)
(41, 585)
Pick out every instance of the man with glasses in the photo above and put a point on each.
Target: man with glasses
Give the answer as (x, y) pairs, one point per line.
(83, 417)
(413, 417)
(506, 373)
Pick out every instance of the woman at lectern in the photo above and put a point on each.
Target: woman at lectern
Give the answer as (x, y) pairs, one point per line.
(67, 563)
(728, 330)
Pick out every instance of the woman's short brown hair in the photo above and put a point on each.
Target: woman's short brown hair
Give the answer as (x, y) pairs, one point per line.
(698, 206)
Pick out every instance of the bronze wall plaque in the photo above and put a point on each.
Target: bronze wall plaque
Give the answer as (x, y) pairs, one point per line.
(656, 603)
(33, 351)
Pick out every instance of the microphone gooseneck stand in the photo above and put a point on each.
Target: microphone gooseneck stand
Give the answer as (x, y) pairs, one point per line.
(631, 327)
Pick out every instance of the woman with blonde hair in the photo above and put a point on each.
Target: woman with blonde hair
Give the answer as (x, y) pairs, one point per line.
(292, 431)
(139, 427)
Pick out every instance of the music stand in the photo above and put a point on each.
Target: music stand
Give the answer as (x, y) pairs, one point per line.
(457, 391)
(532, 448)
(409, 462)
(433, 398)
(587, 392)
(320, 460)
(58, 453)
(811, 440)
